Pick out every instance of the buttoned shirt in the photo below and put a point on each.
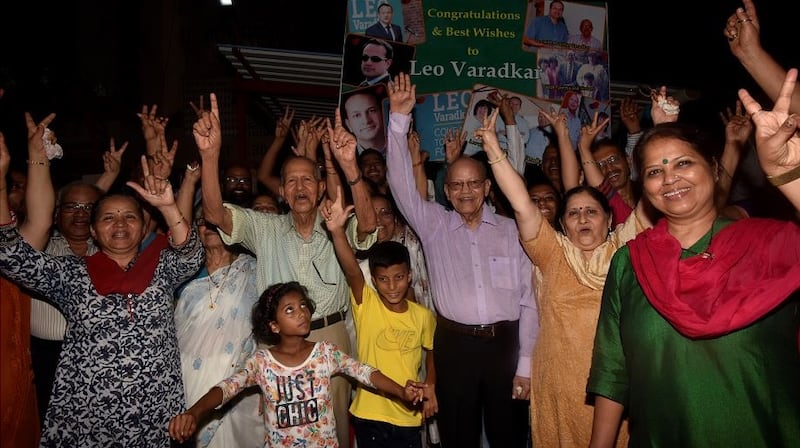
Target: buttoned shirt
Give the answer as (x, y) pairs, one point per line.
(478, 276)
(283, 255)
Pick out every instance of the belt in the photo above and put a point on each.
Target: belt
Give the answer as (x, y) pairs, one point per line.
(479, 331)
(330, 319)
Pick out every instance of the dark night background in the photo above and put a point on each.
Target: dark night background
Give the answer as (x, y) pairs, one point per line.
(96, 62)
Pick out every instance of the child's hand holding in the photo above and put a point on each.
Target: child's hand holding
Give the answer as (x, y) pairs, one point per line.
(430, 405)
(182, 426)
(413, 392)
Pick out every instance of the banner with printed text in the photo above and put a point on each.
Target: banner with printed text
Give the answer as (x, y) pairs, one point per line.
(550, 55)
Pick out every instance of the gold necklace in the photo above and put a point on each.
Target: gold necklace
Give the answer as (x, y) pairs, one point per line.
(217, 287)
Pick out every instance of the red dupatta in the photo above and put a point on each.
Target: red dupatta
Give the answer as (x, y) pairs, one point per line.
(108, 278)
(750, 267)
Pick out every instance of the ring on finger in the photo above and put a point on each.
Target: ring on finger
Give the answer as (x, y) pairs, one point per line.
(752, 114)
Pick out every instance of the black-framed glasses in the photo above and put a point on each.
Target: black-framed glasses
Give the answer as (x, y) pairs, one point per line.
(609, 161)
(237, 180)
(458, 185)
(365, 58)
(74, 207)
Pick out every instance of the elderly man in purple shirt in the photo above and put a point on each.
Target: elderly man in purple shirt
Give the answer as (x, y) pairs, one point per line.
(481, 280)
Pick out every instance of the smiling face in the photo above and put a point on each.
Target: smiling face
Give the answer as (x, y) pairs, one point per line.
(392, 283)
(387, 221)
(118, 226)
(546, 198)
(585, 222)
(681, 188)
(373, 167)
(466, 187)
(556, 10)
(363, 118)
(614, 165)
(300, 186)
(237, 185)
(292, 316)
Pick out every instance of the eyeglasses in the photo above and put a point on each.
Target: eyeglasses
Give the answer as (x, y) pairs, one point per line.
(459, 185)
(609, 161)
(237, 180)
(365, 58)
(73, 207)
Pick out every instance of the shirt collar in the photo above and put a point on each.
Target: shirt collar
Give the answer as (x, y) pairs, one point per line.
(487, 216)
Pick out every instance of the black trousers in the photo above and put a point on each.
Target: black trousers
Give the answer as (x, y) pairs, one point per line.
(44, 360)
(475, 376)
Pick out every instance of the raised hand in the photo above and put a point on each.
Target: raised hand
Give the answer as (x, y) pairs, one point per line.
(36, 149)
(163, 159)
(454, 144)
(488, 135)
(156, 191)
(664, 109)
(334, 212)
(558, 121)
(112, 159)
(777, 139)
(629, 111)
(343, 143)
(153, 126)
(738, 126)
(192, 174)
(590, 131)
(402, 95)
(284, 123)
(207, 131)
(418, 156)
(742, 29)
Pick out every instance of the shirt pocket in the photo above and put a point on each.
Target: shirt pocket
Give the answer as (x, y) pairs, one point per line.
(328, 272)
(502, 272)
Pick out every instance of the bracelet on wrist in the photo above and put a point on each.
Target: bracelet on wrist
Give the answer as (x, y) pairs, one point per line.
(785, 178)
(499, 159)
(354, 181)
(590, 162)
(38, 162)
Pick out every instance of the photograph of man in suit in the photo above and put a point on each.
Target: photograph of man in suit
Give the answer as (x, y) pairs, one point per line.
(384, 28)
(376, 58)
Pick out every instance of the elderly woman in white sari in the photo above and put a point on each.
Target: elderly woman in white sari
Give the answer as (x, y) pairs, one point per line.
(212, 320)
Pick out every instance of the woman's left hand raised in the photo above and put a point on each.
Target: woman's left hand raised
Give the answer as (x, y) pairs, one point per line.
(157, 191)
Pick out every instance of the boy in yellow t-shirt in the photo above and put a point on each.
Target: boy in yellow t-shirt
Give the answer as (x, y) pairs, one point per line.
(392, 333)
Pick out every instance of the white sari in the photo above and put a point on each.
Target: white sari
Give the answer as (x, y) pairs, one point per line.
(212, 322)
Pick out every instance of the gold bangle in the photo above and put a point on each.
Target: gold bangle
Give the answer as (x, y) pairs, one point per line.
(417, 164)
(785, 178)
(38, 162)
(499, 159)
